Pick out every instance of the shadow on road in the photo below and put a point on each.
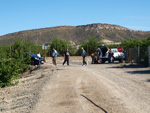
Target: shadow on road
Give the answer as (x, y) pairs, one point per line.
(139, 72)
(128, 66)
(148, 80)
(135, 67)
(94, 103)
(36, 68)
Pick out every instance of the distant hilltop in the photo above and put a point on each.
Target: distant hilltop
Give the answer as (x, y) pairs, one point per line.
(103, 26)
(76, 34)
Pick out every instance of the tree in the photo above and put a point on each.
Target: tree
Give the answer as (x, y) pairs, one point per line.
(90, 46)
(142, 43)
(61, 45)
(4, 51)
(133, 43)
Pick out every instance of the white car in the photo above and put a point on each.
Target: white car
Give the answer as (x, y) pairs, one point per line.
(117, 55)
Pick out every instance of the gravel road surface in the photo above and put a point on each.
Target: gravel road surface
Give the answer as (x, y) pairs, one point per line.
(104, 88)
(101, 88)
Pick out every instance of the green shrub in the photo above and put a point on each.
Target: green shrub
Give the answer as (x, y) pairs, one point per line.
(133, 43)
(16, 63)
(5, 51)
(61, 45)
(142, 43)
(11, 68)
(89, 46)
(113, 46)
(9, 71)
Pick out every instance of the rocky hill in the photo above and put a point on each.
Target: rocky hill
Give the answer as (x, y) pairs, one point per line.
(76, 34)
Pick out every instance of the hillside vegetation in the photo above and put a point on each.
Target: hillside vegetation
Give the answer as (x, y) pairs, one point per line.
(75, 34)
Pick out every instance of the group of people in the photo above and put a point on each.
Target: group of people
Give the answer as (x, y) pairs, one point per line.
(95, 56)
(98, 56)
(66, 55)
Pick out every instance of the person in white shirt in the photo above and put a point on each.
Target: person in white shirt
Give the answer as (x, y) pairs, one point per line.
(39, 55)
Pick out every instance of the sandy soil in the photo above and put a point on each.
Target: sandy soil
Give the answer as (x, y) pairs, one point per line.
(102, 88)
(22, 97)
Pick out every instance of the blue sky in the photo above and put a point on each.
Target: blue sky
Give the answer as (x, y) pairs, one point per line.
(18, 15)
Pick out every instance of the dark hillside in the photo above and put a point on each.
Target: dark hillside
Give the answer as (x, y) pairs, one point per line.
(75, 34)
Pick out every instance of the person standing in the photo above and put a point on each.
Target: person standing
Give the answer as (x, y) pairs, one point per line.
(83, 55)
(66, 57)
(110, 54)
(54, 55)
(99, 53)
(93, 58)
(39, 55)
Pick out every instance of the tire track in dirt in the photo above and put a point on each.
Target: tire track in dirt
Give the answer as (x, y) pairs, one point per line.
(130, 90)
(75, 90)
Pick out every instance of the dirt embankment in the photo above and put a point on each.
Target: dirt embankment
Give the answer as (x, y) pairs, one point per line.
(22, 97)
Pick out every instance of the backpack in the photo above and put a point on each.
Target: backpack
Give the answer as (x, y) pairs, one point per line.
(85, 53)
(57, 53)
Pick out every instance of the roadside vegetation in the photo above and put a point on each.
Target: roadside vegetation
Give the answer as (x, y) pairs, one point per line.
(89, 46)
(61, 45)
(132, 43)
(134, 46)
(142, 45)
(13, 61)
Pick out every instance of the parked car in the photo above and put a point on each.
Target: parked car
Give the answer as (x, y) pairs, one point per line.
(118, 56)
(35, 60)
(104, 50)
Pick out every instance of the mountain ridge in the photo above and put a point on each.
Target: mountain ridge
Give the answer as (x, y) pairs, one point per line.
(76, 34)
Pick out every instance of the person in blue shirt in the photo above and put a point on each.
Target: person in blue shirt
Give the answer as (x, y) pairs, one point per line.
(99, 54)
(83, 54)
(54, 54)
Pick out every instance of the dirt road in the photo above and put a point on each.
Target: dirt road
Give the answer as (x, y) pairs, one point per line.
(104, 88)
(101, 88)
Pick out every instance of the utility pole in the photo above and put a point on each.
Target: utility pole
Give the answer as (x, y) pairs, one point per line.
(87, 50)
(49, 51)
(43, 47)
(138, 54)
